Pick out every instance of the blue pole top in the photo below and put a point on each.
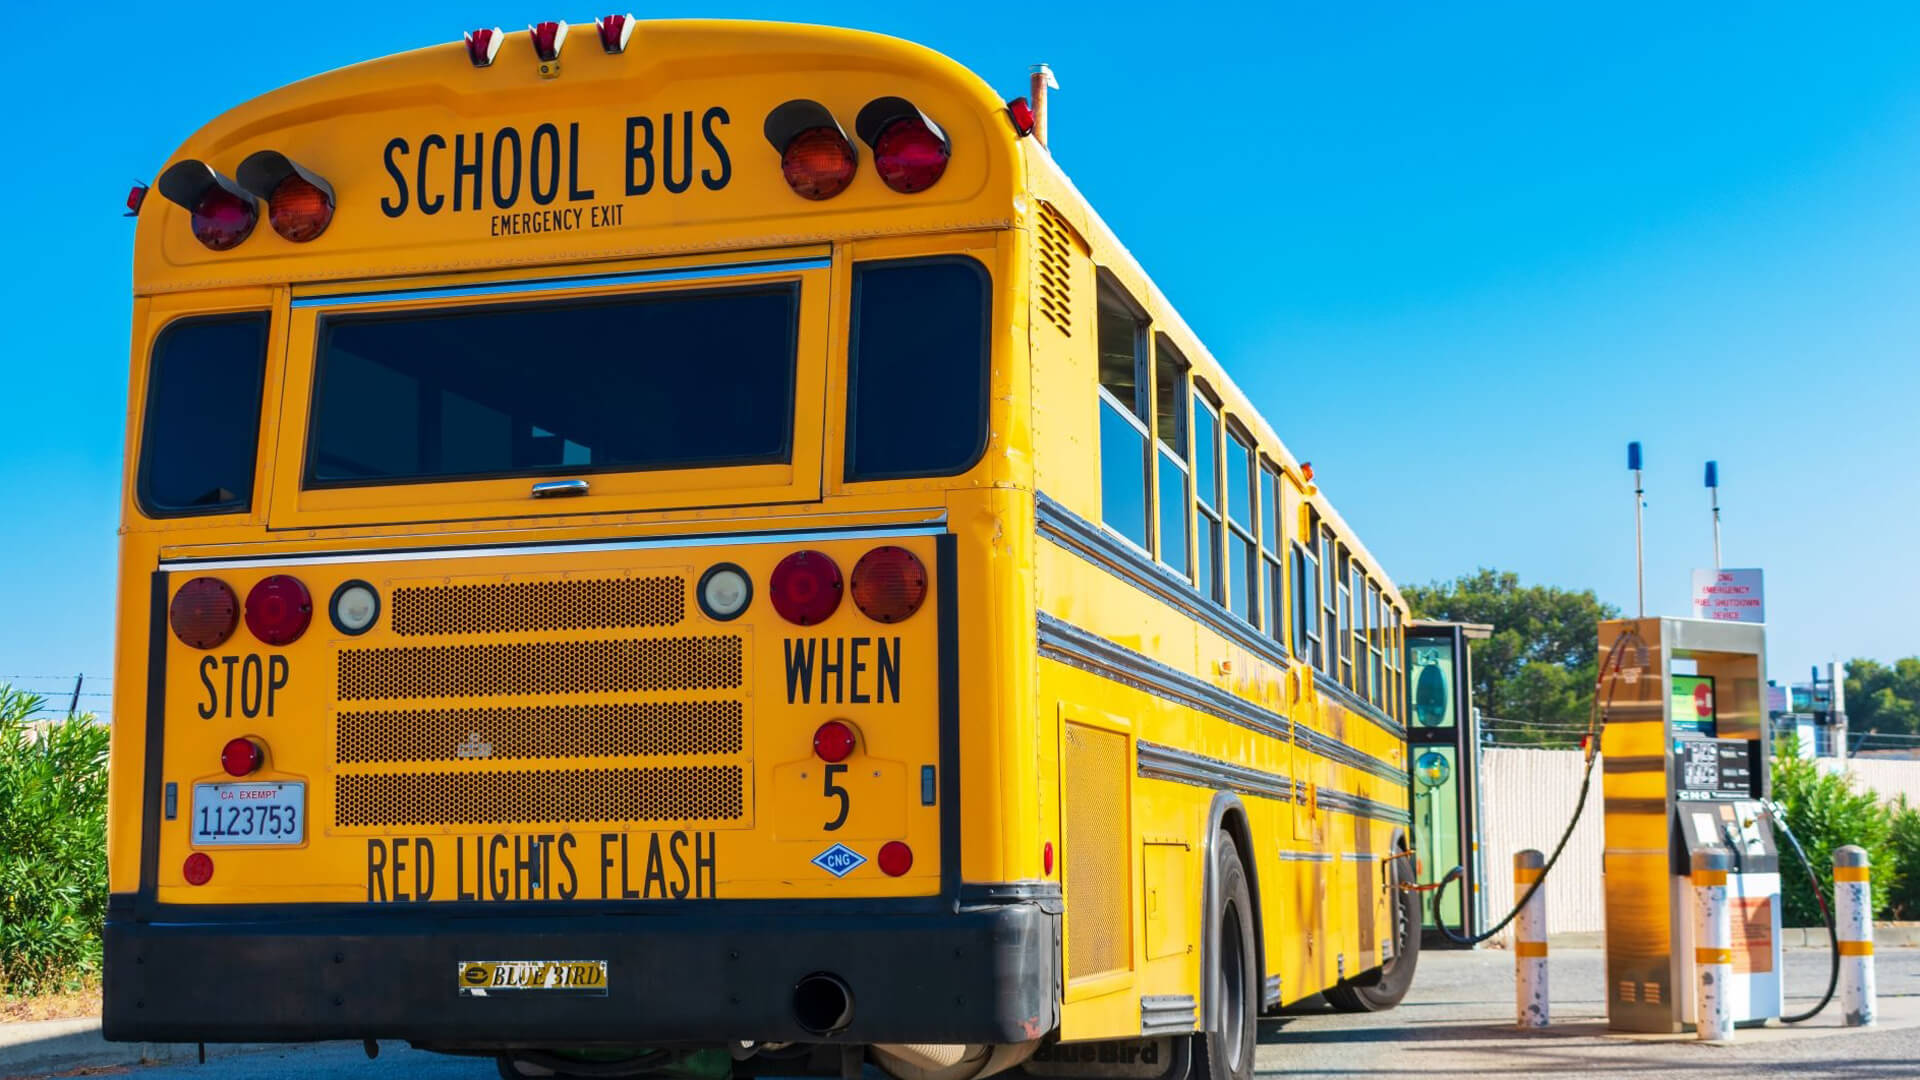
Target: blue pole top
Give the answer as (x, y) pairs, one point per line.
(1633, 455)
(1713, 474)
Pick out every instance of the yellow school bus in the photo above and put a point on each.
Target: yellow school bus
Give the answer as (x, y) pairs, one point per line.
(688, 547)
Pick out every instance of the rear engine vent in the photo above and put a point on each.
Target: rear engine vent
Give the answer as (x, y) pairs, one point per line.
(498, 797)
(1054, 242)
(544, 667)
(514, 607)
(641, 729)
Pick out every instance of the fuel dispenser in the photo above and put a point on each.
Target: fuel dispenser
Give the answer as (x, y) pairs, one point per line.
(1684, 767)
(1444, 743)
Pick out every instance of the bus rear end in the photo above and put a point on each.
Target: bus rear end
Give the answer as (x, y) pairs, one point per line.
(549, 590)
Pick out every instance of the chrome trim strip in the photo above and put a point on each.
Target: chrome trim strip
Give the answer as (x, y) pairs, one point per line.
(1063, 641)
(1158, 762)
(1351, 756)
(1168, 1014)
(484, 551)
(581, 281)
(1306, 856)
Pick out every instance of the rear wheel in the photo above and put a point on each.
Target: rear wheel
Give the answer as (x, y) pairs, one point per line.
(1226, 1051)
(1383, 987)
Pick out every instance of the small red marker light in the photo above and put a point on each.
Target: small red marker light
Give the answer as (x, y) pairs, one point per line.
(548, 37)
(833, 742)
(483, 45)
(614, 32)
(135, 196)
(896, 858)
(279, 609)
(1046, 858)
(1021, 114)
(1306, 471)
(242, 757)
(805, 587)
(198, 869)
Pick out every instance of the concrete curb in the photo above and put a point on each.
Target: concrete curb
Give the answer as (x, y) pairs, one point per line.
(42, 1046)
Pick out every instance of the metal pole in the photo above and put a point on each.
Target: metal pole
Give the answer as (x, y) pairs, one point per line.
(1712, 944)
(73, 706)
(1639, 526)
(1713, 485)
(1039, 81)
(1532, 1007)
(1853, 938)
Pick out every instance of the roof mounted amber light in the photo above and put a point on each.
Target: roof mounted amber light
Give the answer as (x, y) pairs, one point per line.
(223, 213)
(910, 151)
(816, 157)
(299, 201)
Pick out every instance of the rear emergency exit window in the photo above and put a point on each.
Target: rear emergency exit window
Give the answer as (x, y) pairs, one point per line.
(203, 416)
(917, 403)
(681, 380)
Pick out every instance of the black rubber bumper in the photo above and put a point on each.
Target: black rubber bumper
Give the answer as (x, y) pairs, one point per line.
(948, 973)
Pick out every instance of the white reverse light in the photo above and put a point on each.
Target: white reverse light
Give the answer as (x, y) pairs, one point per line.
(725, 591)
(355, 607)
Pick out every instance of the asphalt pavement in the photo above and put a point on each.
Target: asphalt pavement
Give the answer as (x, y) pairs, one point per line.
(1457, 1022)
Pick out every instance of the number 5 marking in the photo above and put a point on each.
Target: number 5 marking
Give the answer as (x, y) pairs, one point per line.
(835, 790)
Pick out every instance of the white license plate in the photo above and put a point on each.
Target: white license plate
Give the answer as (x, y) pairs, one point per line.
(249, 814)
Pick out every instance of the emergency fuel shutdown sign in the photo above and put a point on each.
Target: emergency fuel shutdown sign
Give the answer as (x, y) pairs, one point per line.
(1729, 596)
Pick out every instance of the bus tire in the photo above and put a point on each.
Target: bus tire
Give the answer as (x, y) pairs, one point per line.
(1383, 987)
(1224, 1051)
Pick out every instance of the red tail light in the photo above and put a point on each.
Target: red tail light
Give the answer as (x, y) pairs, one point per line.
(815, 157)
(614, 32)
(909, 150)
(299, 201)
(242, 757)
(483, 45)
(136, 195)
(548, 37)
(204, 613)
(805, 587)
(889, 584)
(896, 858)
(198, 869)
(223, 213)
(279, 609)
(1021, 114)
(833, 743)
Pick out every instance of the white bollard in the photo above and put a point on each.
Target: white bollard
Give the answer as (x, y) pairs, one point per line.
(1530, 943)
(1712, 944)
(1853, 937)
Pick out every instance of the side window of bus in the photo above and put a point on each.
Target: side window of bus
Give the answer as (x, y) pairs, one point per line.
(1170, 413)
(1271, 545)
(1123, 419)
(202, 427)
(1329, 600)
(1244, 567)
(1376, 655)
(1344, 586)
(1396, 665)
(1206, 485)
(1357, 586)
(1306, 607)
(917, 368)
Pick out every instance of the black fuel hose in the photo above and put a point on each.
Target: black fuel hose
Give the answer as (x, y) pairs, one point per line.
(1596, 723)
(1833, 937)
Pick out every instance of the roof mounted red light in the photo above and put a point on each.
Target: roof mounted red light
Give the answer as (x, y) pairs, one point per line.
(815, 156)
(279, 608)
(910, 151)
(299, 201)
(483, 45)
(614, 31)
(223, 213)
(805, 587)
(548, 37)
(1021, 114)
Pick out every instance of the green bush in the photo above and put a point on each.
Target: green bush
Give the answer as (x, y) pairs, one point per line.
(1903, 900)
(53, 847)
(1826, 811)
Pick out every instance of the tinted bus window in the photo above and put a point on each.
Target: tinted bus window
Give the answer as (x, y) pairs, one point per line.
(917, 377)
(202, 425)
(660, 381)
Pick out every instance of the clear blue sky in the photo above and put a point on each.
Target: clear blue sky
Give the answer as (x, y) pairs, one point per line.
(1460, 254)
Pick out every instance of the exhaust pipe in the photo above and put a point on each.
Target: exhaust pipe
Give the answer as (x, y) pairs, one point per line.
(822, 1004)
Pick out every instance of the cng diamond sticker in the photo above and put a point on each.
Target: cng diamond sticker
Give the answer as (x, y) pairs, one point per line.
(839, 860)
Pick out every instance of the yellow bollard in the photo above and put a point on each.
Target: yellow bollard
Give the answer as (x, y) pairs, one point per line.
(1853, 934)
(1531, 1007)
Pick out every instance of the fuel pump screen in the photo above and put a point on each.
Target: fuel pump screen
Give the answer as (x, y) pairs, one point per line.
(1692, 704)
(1714, 769)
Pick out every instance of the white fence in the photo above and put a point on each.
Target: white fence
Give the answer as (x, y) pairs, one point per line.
(1526, 797)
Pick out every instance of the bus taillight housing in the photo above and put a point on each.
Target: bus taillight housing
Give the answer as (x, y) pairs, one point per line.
(279, 609)
(889, 584)
(910, 151)
(204, 613)
(816, 158)
(299, 201)
(224, 214)
(805, 588)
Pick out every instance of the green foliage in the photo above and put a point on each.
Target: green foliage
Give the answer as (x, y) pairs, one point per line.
(1537, 669)
(1884, 698)
(1826, 810)
(1903, 899)
(53, 846)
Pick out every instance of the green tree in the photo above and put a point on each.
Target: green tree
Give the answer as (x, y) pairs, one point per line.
(1826, 809)
(53, 845)
(1537, 669)
(1883, 697)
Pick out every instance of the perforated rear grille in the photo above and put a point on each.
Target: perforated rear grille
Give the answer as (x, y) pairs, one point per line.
(639, 728)
(689, 793)
(1094, 852)
(512, 607)
(548, 667)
